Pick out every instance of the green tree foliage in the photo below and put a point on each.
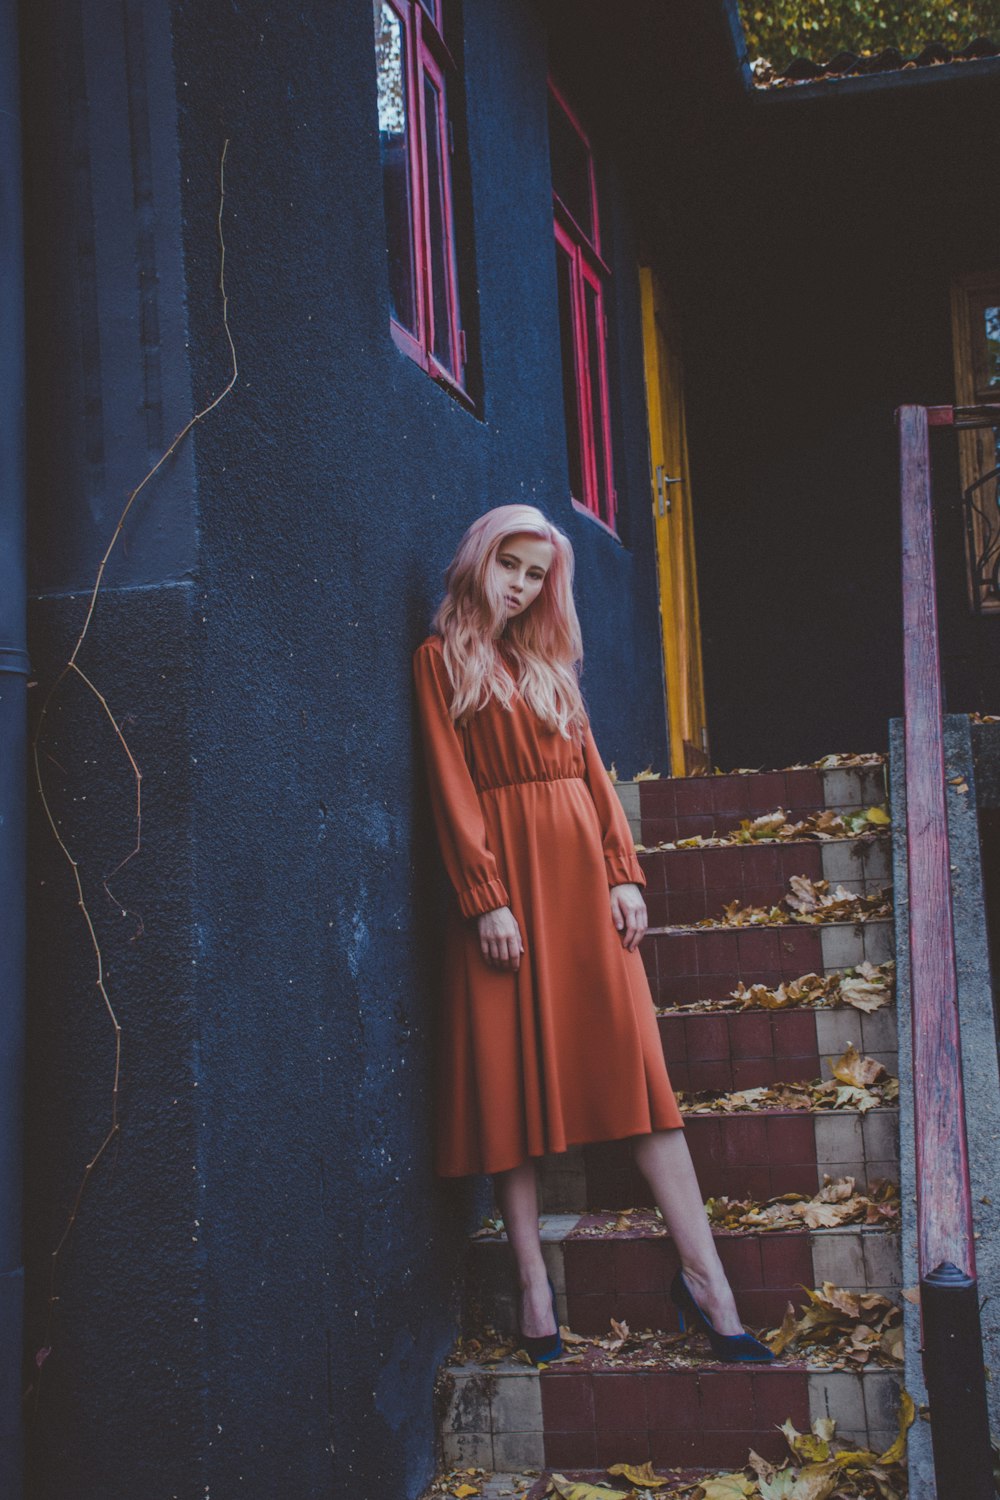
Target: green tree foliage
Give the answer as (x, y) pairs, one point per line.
(782, 29)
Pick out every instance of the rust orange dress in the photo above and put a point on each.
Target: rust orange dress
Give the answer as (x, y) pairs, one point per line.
(566, 1049)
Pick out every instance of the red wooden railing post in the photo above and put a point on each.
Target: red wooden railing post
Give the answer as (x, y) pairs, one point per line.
(949, 1303)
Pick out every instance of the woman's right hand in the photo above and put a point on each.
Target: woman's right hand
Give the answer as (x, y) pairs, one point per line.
(500, 938)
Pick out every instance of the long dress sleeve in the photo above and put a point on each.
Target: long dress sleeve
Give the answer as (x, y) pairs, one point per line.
(620, 859)
(472, 868)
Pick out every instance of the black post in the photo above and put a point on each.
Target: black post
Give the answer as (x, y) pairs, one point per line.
(13, 741)
(956, 1384)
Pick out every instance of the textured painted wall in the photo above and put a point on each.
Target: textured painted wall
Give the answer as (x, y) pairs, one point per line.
(271, 1261)
(331, 498)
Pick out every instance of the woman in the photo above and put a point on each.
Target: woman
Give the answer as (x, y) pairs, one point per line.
(549, 1036)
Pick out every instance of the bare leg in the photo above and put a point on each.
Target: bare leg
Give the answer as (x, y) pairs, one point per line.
(665, 1162)
(517, 1197)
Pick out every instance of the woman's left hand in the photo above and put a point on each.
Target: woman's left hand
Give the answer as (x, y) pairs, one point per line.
(628, 912)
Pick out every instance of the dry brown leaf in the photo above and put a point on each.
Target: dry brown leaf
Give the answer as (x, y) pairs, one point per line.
(851, 1067)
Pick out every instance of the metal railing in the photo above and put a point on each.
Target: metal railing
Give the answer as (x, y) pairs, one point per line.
(952, 1346)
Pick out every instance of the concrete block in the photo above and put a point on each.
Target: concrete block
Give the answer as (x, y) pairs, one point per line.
(879, 1030)
(877, 1171)
(883, 1258)
(837, 1256)
(874, 791)
(881, 1389)
(843, 863)
(876, 859)
(469, 1401)
(843, 945)
(839, 1139)
(518, 1450)
(880, 1129)
(467, 1450)
(838, 1394)
(628, 795)
(517, 1402)
(877, 941)
(842, 789)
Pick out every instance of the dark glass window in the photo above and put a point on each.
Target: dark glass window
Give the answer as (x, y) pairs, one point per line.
(415, 71)
(581, 276)
(390, 60)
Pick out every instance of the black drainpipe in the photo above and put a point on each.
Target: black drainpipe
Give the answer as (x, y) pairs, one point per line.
(13, 737)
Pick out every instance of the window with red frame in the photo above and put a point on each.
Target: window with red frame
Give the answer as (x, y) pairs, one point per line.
(415, 71)
(581, 274)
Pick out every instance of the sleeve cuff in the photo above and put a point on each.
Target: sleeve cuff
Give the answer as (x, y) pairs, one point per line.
(623, 868)
(476, 900)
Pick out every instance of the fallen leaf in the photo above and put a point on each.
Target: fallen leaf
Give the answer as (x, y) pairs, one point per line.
(815, 1482)
(574, 1489)
(641, 1474)
(852, 1068)
(780, 1487)
(907, 1412)
(725, 1487)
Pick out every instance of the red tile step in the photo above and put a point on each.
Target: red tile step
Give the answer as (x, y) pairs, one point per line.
(602, 1415)
(707, 964)
(674, 1410)
(740, 1049)
(689, 885)
(756, 1154)
(627, 1276)
(681, 807)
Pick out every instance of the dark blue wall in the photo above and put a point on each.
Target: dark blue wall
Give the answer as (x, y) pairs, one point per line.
(271, 1262)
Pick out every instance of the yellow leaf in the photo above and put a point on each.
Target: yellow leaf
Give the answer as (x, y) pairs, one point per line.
(907, 1412)
(726, 1487)
(464, 1490)
(639, 1474)
(647, 775)
(574, 1489)
(878, 815)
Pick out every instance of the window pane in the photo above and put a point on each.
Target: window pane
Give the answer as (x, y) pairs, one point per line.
(431, 8)
(991, 319)
(393, 111)
(437, 215)
(595, 343)
(567, 341)
(570, 167)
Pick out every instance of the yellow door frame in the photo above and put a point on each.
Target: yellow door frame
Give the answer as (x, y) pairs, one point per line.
(674, 527)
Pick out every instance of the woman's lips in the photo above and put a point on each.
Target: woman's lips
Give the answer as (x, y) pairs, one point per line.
(515, 602)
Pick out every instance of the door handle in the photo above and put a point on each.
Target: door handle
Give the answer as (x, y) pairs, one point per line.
(663, 479)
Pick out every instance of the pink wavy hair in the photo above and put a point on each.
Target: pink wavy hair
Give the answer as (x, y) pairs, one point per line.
(544, 643)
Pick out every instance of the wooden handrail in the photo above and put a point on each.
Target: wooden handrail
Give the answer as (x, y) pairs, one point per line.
(951, 1334)
(942, 1160)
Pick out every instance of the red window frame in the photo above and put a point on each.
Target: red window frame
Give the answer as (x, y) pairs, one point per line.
(428, 59)
(588, 269)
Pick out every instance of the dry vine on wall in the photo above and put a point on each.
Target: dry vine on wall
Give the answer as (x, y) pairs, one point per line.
(72, 667)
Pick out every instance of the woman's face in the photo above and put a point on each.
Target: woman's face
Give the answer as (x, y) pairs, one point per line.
(521, 563)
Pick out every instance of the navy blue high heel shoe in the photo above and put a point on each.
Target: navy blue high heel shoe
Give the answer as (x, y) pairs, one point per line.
(727, 1346)
(548, 1346)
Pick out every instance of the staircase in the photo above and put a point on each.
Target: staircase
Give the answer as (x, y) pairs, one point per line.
(660, 1398)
